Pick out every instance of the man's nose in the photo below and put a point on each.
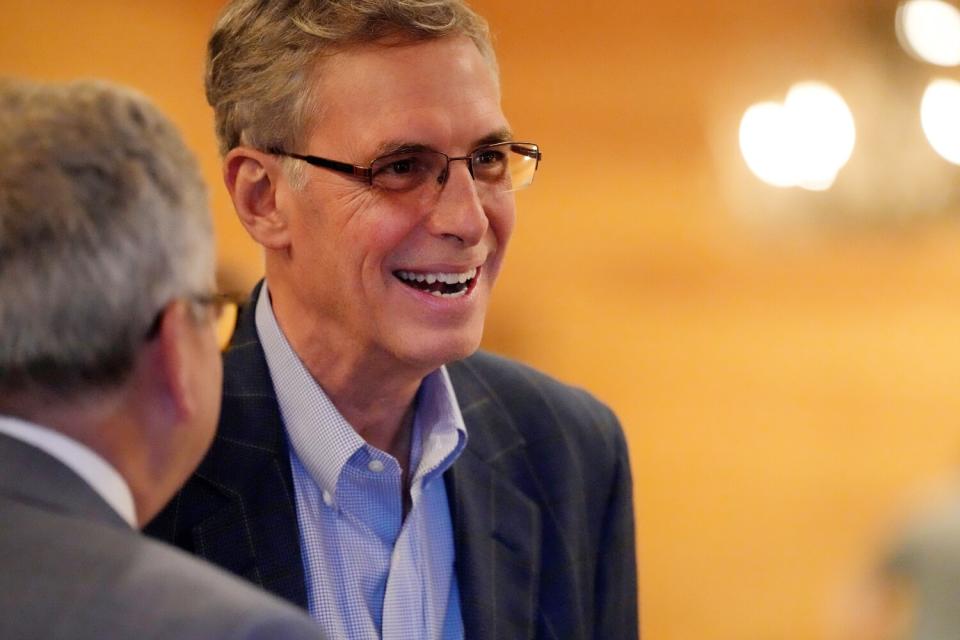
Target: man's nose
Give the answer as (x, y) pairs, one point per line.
(459, 211)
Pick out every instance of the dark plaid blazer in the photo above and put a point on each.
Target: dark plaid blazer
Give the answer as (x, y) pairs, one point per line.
(540, 500)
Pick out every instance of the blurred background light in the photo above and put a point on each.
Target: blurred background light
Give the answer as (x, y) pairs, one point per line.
(940, 118)
(803, 142)
(930, 30)
(763, 140)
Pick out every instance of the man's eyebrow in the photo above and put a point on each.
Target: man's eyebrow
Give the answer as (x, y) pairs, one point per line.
(390, 147)
(500, 135)
(399, 146)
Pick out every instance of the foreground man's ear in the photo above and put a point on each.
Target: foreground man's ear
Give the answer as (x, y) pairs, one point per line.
(251, 178)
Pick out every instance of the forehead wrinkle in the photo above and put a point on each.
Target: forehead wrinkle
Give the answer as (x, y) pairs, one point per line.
(432, 125)
(457, 93)
(411, 114)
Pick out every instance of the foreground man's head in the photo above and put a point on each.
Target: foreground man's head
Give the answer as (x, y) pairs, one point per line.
(106, 275)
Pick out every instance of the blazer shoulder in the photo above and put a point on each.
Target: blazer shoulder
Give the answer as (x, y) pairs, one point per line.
(129, 586)
(538, 404)
(211, 603)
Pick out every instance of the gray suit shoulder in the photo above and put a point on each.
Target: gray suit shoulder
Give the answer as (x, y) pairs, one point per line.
(66, 576)
(232, 608)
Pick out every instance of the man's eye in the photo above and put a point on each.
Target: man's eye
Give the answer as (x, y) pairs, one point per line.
(402, 171)
(401, 166)
(489, 156)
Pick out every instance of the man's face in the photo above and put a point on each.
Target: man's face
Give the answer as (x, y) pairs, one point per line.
(355, 249)
(197, 371)
(207, 370)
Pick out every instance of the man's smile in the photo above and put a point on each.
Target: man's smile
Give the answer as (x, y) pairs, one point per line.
(444, 285)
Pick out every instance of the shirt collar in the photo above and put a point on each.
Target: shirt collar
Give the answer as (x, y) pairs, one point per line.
(85, 462)
(323, 439)
(439, 422)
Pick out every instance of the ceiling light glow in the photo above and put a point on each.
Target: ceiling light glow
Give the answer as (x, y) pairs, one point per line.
(930, 30)
(940, 118)
(803, 142)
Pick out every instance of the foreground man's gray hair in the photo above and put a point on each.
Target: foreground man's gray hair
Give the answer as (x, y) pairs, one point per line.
(265, 56)
(103, 221)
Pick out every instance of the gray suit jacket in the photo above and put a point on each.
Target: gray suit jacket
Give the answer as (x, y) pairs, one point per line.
(540, 500)
(70, 567)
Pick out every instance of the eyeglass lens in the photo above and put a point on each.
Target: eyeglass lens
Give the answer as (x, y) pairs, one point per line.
(502, 167)
(222, 309)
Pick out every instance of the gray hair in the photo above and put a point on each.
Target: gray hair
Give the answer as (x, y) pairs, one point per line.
(103, 221)
(263, 56)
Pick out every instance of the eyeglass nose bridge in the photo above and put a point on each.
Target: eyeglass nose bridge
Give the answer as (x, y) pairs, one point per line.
(445, 172)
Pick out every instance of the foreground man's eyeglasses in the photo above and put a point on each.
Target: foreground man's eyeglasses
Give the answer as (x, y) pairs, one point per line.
(499, 168)
(224, 308)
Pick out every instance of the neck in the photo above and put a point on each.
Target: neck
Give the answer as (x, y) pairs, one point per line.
(377, 401)
(373, 391)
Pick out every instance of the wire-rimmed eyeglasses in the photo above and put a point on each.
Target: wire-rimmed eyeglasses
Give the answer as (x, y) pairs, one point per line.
(224, 310)
(499, 167)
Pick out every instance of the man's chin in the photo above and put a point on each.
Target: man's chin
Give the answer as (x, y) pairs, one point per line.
(432, 351)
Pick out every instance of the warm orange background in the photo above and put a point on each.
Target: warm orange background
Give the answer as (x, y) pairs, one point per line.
(781, 387)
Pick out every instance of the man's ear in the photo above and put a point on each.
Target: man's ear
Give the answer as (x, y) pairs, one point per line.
(251, 177)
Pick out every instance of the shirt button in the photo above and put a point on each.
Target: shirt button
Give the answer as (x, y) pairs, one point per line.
(327, 498)
(375, 465)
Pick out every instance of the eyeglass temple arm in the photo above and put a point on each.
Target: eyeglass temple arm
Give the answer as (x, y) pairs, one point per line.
(343, 167)
(529, 151)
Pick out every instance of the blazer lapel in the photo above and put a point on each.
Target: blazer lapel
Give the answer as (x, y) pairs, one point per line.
(497, 528)
(254, 533)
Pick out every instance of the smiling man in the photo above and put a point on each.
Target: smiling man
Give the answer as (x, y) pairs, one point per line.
(369, 465)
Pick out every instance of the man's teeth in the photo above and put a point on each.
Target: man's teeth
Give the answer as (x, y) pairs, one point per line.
(441, 285)
(446, 278)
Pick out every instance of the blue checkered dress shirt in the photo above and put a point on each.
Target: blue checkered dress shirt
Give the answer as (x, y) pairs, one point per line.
(370, 573)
